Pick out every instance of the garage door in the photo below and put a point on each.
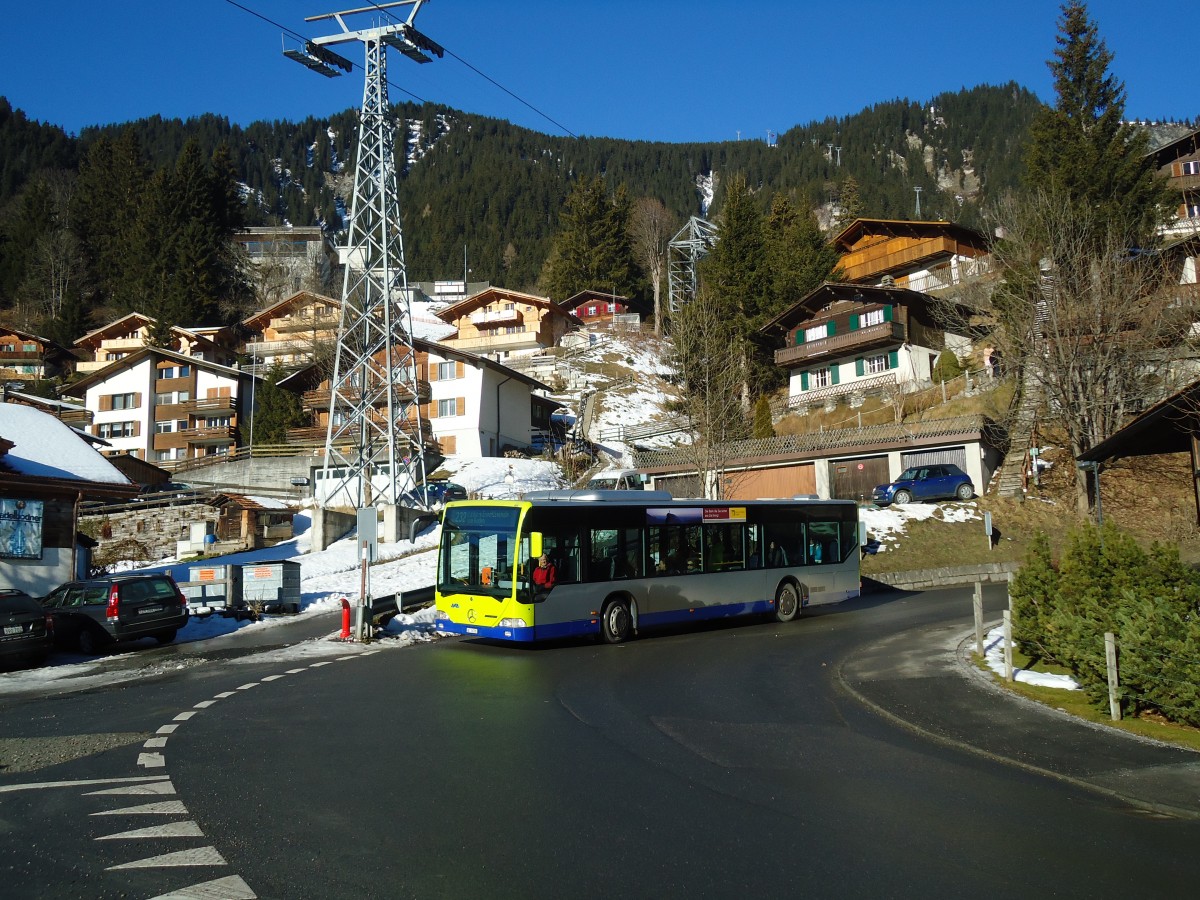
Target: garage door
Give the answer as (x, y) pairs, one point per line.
(781, 481)
(955, 455)
(853, 479)
(681, 487)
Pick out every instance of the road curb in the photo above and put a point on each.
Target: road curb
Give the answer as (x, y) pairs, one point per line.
(970, 672)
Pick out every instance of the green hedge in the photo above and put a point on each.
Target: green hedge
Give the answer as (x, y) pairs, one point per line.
(1105, 582)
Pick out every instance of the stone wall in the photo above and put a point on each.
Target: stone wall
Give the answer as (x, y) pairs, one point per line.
(156, 526)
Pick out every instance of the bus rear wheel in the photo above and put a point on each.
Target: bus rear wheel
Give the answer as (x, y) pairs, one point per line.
(787, 602)
(616, 623)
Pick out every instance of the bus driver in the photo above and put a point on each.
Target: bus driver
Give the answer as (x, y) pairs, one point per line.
(545, 576)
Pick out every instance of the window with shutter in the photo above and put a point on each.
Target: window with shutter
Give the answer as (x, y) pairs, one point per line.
(831, 329)
(887, 314)
(894, 359)
(804, 381)
(833, 374)
(858, 366)
(854, 322)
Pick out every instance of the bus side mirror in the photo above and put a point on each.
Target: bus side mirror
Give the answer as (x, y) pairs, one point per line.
(535, 544)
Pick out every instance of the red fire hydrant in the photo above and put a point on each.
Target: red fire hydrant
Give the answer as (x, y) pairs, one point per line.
(345, 635)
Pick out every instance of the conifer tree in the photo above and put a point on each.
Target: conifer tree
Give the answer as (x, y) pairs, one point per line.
(275, 409)
(592, 249)
(1080, 150)
(734, 273)
(762, 426)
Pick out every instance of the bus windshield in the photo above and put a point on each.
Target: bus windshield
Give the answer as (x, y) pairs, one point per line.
(478, 545)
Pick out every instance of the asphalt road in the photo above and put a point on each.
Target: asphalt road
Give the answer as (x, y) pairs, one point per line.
(717, 762)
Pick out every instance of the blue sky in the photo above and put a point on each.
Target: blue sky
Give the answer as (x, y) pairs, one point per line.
(637, 69)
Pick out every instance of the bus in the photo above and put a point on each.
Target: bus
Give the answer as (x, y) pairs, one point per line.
(629, 560)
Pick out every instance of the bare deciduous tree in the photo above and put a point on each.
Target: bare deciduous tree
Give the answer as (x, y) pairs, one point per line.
(650, 228)
(705, 353)
(1089, 317)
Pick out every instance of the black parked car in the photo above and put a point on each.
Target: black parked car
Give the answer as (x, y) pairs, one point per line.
(89, 615)
(26, 630)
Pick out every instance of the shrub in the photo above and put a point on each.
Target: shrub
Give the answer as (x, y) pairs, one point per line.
(947, 367)
(1106, 582)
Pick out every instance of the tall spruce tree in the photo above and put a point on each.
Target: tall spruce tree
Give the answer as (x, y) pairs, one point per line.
(592, 249)
(1080, 150)
(735, 275)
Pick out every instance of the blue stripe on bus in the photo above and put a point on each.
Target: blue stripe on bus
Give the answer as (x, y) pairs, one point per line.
(508, 633)
(722, 611)
(591, 626)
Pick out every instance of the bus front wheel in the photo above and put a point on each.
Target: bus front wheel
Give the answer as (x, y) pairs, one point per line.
(616, 623)
(787, 602)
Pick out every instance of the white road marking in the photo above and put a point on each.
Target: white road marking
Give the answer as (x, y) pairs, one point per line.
(158, 787)
(224, 694)
(231, 888)
(164, 808)
(170, 830)
(183, 716)
(318, 665)
(151, 760)
(155, 743)
(294, 671)
(368, 653)
(246, 687)
(199, 856)
(273, 677)
(40, 785)
(351, 656)
(167, 729)
(204, 704)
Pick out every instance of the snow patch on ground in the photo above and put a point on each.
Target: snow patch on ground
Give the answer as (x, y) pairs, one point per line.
(993, 649)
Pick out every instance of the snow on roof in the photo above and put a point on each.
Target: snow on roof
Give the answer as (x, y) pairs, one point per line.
(47, 448)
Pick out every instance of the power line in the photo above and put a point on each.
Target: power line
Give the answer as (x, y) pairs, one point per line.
(481, 74)
(295, 34)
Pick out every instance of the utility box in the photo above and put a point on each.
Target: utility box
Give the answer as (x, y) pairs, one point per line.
(212, 589)
(275, 586)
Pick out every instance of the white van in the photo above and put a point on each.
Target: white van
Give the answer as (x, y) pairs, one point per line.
(617, 480)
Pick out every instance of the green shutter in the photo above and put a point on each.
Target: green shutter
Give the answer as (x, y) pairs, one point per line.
(894, 359)
(887, 314)
(858, 366)
(804, 381)
(833, 374)
(854, 322)
(830, 329)
(799, 336)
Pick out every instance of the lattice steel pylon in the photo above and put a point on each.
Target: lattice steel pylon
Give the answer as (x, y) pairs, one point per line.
(375, 437)
(691, 243)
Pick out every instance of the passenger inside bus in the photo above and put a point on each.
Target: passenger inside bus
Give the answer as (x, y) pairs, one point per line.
(545, 576)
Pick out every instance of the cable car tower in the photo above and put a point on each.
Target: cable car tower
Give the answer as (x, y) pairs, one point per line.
(691, 243)
(375, 426)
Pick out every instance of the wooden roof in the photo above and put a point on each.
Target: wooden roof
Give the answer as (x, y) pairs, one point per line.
(849, 236)
(300, 299)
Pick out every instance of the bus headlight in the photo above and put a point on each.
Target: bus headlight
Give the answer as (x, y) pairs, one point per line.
(513, 623)
(441, 614)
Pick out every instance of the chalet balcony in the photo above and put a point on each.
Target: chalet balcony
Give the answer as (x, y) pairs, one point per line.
(872, 385)
(208, 434)
(316, 434)
(495, 318)
(1184, 182)
(491, 343)
(870, 338)
(876, 259)
(319, 398)
(325, 326)
(210, 404)
(20, 357)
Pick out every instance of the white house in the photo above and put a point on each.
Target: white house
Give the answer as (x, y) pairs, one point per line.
(163, 406)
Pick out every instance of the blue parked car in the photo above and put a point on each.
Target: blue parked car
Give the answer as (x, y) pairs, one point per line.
(939, 481)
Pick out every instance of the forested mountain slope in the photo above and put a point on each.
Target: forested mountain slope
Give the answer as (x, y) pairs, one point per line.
(496, 189)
